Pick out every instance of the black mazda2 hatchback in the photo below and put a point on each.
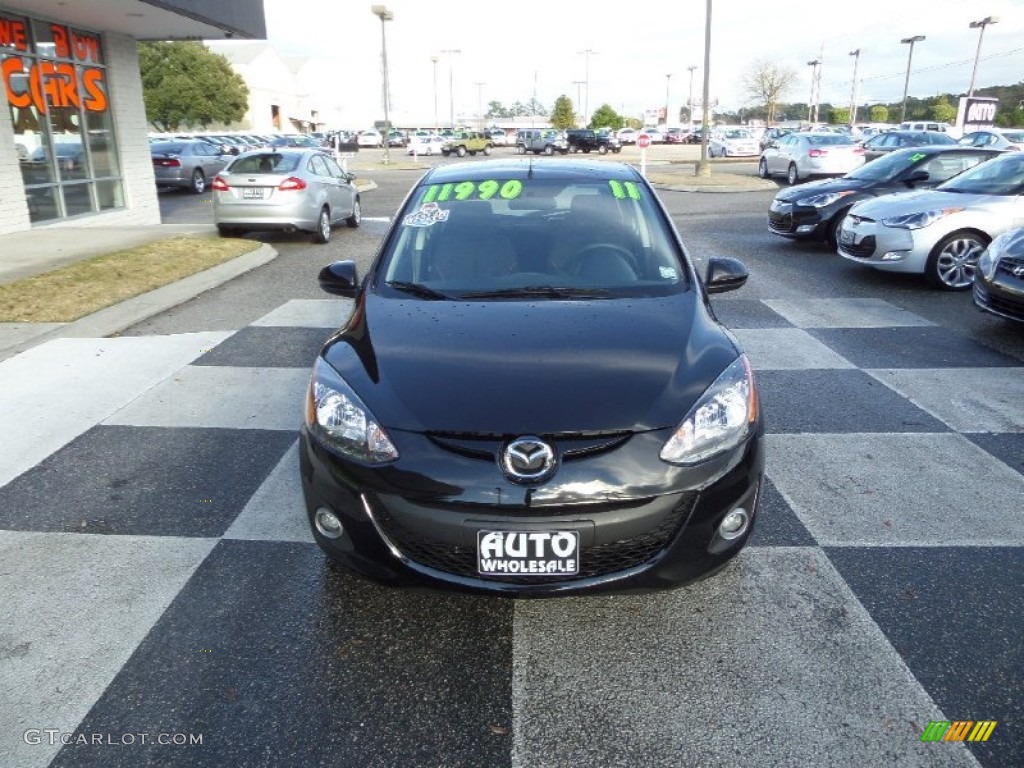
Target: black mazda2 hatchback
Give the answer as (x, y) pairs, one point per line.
(532, 395)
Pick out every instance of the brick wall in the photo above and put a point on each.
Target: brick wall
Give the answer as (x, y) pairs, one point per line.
(13, 209)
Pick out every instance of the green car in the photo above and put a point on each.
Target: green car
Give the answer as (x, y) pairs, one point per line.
(468, 142)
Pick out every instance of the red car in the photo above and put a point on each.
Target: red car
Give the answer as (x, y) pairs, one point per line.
(676, 136)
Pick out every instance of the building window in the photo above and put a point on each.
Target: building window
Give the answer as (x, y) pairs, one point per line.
(55, 82)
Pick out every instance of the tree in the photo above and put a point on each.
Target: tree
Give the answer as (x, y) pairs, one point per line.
(766, 82)
(840, 115)
(497, 109)
(879, 113)
(942, 111)
(186, 84)
(606, 117)
(563, 115)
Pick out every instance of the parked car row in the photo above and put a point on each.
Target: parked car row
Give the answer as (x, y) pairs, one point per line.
(951, 213)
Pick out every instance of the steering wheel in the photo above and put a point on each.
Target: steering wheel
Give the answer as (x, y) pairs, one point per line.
(575, 262)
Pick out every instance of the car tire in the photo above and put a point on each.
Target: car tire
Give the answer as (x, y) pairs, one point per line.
(952, 262)
(446, 152)
(461, 152)
(198, 185)
(357, 214)
(487, 150)
(520, 150)
(549, 150)
(762, 169)
(602, 150)
(323, 227)
(832, 230)
(792, 175)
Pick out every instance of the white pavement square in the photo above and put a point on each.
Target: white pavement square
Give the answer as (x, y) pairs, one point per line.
(276, 512)
(58, 390)
(967, 399)
(897, 489)
(308, 313)
(787, 349)
(844, 313)
(75, 607)
(214, 396)
(754, 663)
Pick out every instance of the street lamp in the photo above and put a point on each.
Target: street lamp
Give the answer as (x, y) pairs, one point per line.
(586, 78)
(668, 79)
(480, 102)
(437, 125)
(579, 103)
(812, 106)
(451, 86)
(384, 14)
(703, 168)
(906, 82)
(689, 103)
(853, 93)
(979, 25)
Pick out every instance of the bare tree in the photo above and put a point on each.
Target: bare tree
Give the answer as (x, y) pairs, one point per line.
(766, 82)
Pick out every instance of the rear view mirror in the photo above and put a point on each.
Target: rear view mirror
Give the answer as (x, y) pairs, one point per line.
(915, 177)
(725, 274)
(340, 278)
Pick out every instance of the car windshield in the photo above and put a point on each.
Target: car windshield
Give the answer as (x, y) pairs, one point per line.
(1017, 137)
(1000, 176)
(888, 166)
(737, 134)
(265, 162)
(533, 238)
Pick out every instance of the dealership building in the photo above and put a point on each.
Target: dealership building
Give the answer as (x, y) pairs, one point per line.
(73, 136)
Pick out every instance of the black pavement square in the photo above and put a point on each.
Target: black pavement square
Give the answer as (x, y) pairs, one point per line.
(911, 347)
(144, 480)
(270, 347)
(954, 615)
(747, 313)
(777, 525)
(1008, 447)
(837, 400)
(279, 659)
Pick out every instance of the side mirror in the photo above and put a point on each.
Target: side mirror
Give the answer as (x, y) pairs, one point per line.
(916, 177)
(725, 274)
(339, 278)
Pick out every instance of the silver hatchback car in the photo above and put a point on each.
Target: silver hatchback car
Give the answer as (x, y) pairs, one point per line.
(288, 190)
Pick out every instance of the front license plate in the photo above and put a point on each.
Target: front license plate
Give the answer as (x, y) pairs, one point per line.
(846, 237)
(252, 193)
(528, 553)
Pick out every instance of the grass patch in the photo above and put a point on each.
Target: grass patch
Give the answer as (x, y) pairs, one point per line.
(82, 288)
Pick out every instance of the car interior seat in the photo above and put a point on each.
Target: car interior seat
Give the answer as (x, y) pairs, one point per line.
(470, 249)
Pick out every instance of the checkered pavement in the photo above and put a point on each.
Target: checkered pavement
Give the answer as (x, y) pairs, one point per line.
(159, 581)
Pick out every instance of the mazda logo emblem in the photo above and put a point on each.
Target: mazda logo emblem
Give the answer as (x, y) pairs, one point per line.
(528, 460)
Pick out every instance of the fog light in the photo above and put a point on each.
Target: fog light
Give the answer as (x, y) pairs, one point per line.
(894, 255)
(804, 229)
(734, 524)
(328, 524)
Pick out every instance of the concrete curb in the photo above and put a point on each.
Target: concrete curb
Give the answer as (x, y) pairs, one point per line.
(127, 313)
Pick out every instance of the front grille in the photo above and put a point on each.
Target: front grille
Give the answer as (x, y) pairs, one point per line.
(1007, 266)
(865, 249)
(999, 304)
(595, 560)
(782, 222)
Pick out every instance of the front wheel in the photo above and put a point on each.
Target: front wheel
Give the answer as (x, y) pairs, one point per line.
(762, 169)
(198, 182)
(549, 150)
(520, 149)
(953, 261)
(792, 175)
(461, 152)
(834, 225)
(357, 214)
(602, 150)
(487, 150)
(323, 227)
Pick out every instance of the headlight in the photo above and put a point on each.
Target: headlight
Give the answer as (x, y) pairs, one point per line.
(820, 201)
(719, 421)
(339, 420)
(989, 258)
(920, 219)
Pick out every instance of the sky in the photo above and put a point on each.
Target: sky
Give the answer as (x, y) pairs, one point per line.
(639, 55)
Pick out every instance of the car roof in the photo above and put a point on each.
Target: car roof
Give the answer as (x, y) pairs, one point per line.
(530, 168)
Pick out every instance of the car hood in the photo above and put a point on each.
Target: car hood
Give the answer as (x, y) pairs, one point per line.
(922, 200)
(515, 367)
(821, 187)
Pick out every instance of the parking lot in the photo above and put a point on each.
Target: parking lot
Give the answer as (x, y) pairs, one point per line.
(882, 590)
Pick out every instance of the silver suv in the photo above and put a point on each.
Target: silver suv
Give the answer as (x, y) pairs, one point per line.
(538, 140)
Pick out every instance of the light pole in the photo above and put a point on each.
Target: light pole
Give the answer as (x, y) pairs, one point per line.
(703, 168)
(812, 110)
(451, 86)
(979, 25)
(586, 78)
(385, 15)
(437, 125)
(579, 103)
(853, 93)
(480, 102)
(906, 81)
(668, 79)
(689, 102)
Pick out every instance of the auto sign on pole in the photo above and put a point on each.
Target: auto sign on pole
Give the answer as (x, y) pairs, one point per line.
(643, 141)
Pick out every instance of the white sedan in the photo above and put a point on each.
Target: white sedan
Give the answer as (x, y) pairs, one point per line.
(425, 145)
(941, 232)
(733, 142)
(370, 138)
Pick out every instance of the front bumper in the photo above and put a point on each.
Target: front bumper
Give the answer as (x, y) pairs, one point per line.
(1004, 294)
(639, 531)
(890, 249)
(798, 222)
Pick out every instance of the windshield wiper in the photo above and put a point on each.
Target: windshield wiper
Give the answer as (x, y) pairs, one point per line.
(548, 291)
(417, 289)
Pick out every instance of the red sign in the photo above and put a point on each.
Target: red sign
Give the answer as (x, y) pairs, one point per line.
(643, 141)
